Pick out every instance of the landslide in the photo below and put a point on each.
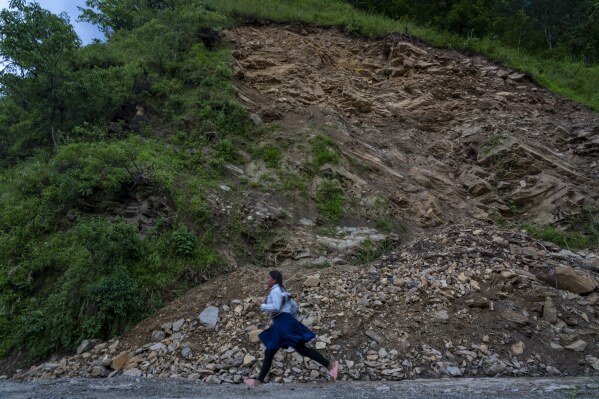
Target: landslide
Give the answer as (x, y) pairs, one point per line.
(390, 147)
(446, 137)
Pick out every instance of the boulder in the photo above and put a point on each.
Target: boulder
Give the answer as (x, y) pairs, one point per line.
(178, 324)
(569, 279)
(254, 336)
(518, 348)
(86, 345)
(98, 371)
(158, 335)
(577, 346)
(248, 360)
(120, 360)
(312, 281)
(209, 317)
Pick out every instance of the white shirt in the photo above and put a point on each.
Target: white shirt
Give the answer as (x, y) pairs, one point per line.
(274, 301)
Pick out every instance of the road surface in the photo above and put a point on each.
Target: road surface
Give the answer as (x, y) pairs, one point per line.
(462, 388)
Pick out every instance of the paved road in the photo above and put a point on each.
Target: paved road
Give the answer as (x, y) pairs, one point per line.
(463, 388)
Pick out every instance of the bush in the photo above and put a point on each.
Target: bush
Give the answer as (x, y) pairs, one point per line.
(183, 242)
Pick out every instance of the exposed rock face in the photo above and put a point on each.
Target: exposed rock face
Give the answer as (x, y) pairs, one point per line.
(445, 137)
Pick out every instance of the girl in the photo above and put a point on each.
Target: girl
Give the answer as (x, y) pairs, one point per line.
(285, 330)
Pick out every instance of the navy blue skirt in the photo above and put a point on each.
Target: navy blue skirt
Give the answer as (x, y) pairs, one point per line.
(285, 332)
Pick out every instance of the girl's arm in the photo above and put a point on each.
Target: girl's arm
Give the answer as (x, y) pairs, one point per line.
(275, 299)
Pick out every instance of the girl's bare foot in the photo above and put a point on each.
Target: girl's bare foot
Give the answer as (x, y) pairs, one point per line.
(250, 382)
(334, 369)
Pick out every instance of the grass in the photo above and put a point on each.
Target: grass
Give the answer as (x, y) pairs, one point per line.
(492, 141)
(566, 239)
(573, 80)
(369, 251)
(324, 151)
(330, 200)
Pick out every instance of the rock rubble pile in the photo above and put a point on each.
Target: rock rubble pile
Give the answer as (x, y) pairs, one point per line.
(466, 301)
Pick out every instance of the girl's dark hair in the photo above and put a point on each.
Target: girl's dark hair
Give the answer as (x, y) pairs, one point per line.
(278, 277)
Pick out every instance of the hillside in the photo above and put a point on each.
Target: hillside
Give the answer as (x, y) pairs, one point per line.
(203, 143)
(407, 138)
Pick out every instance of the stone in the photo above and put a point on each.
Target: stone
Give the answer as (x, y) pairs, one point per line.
(256, 119)
(549, 311)
(186, 352)
(132, 373)
(86, 345)
(98, 371)
(50, 366)
(374, 336)
(120, 360)
(453, 371)
(495, 369)
(159, 346)
(478, 302)
(320, 345)
(441, 316)
(569, 279)
(556, 346)
(312, 281)
(517, 76)
(158, 335)
(577, 346)
(518, 348)
(178, 324)
(209, 317)
(514, 317)
(248, 360)
(253, 336)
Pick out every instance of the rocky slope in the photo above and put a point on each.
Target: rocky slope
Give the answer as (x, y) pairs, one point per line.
(445, 137)
(428, 140)
(465, 301)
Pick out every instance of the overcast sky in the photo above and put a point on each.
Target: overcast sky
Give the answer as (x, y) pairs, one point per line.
(86, 31)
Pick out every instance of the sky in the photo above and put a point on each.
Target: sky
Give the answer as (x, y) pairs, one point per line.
(86, 31)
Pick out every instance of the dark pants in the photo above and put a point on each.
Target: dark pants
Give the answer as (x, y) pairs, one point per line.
(269, 354)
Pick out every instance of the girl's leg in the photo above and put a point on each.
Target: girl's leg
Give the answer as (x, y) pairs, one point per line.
(269, 354)
(312, 354)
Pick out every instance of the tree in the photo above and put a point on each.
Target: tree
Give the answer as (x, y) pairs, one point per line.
(36, 47)
(114, 15)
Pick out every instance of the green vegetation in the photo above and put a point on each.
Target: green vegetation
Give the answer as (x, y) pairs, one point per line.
(369, 251)
(582, 231)
(572, 77)
(147, 117)
(330, 200)
(574, 233)
(271, 155)
(566, 239)
(492, 141)
(324, 151)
